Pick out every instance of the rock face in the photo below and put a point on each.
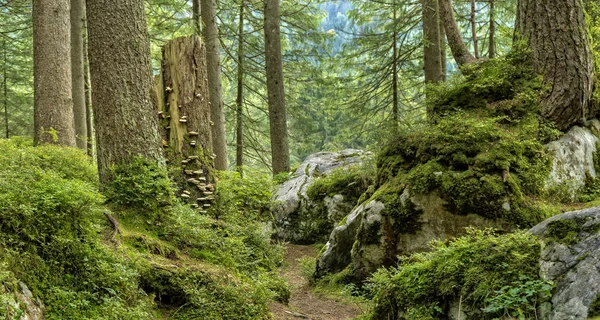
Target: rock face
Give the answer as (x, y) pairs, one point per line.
(370, 238)
(570, 258)
(21, 301)
(296, 217)
(574, 157)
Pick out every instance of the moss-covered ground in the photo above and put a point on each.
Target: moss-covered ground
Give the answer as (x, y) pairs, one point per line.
(168, 261)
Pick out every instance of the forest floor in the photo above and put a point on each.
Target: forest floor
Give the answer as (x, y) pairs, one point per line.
(304, 302)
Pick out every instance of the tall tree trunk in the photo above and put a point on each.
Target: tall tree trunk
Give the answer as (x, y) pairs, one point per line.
(77, 70)
(431, 42)
(5, 88)
(460, 52)
(53, 104)
(474, 30)
(280, 152)
(443, 49)
(239, 132)
(183, 104)
(196, 17)
(213, 61)
(395, 107)
(124, 112)
(562, 55)
(88, 94)
(492, 49)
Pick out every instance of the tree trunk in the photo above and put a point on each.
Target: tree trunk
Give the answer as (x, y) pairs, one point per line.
(5, 89)
(183, 104)
(196, 17)
(213, 61)
(460, 52)
(124, 113)
(443, 49)
(562, 55)
(53, 104)
(274, 67)
(77, 70)
(431, 41)
(239, 132)
(492, 49)
(474, 30)
(88, 97)
(395, 107)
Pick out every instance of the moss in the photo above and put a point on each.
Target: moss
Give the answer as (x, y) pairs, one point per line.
(484, 150)
(351, 182)
(475, 268)
(564, 231)
(594, 309)
(54, 237)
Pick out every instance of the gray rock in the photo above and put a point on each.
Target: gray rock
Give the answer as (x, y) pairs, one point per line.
(574, 157)
(436, 223)
(22, 300)
(297, 219)
(574, 266)
(337, 253)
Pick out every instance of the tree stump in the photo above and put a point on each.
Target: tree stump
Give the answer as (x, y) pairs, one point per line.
(184, 115)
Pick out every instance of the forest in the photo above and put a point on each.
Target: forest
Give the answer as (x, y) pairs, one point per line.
(308, 159)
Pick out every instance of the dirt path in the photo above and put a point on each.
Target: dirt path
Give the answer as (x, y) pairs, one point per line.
(305, 304)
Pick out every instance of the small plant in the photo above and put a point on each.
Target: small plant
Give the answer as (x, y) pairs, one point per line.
(520, 299)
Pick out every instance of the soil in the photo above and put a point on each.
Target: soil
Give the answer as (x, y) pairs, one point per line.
(304, 303)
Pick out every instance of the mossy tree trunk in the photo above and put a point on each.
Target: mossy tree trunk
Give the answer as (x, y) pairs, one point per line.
(124, 111)
(77, 70)
(184, 112)
(492, 40)
(557, 35)
(213, 61)
(53, 104)
(280, 153)
(459, 50)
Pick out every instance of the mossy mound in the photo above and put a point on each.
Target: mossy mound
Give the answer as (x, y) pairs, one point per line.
(169, 261)
(483, 148)
(489, 275)
(351, 182)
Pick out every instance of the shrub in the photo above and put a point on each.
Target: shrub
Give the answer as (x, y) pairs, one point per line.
(496, 274)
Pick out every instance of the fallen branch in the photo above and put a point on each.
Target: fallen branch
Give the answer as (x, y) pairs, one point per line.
(117, 229)
(298, 315)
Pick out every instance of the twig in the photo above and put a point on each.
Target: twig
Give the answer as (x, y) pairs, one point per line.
(298, 315)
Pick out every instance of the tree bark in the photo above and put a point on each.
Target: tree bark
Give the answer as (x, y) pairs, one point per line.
(474, 30)
(443, 49)
(213, 61)
(124, 112)
(461, 54)
(77, 70)
(53, 104)
(559, 51)
(239, 132)
(184, 113)
(492, 45)
(196, 17)
(5, 88)
(88, 96)
(276, 95)
(431, 42)
(395, 106)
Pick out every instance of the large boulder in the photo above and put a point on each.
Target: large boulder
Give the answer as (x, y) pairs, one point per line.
(375, 233)
(300, 220)
(574, 158)
(571, 259)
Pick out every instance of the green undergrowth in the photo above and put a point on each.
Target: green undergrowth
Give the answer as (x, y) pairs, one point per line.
(483, 148)
(491, 275)
(168, 262)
